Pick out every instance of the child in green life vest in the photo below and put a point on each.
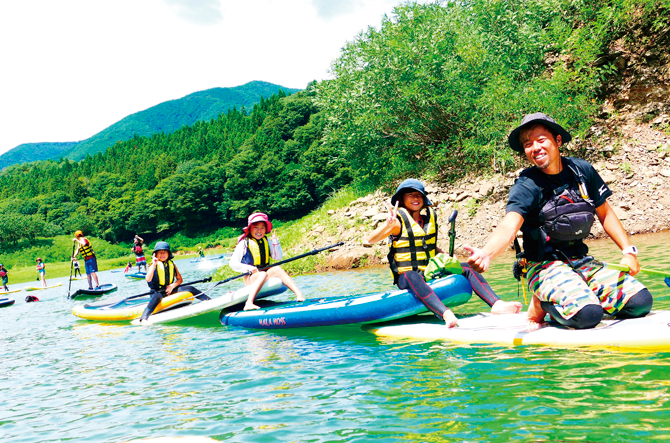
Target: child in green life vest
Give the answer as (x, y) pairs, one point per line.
(163, 278)
(412, 226)
(4, 277)
(254, 251)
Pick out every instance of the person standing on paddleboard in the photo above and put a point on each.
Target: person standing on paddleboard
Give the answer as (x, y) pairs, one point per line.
(140, 260)
(163, 278)
(254, 251)
(4, 277)
(75, 266)
(554, 203)
(412, 228)
(42, 271)
(90, 261)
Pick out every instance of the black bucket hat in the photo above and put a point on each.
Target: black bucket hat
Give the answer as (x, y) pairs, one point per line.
(163, 246)
(531, 119)
(410, 184)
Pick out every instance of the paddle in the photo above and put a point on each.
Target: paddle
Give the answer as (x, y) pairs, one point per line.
(204, 280)
(312, 252)
(643, 271)
(69, 286)
(452, 232)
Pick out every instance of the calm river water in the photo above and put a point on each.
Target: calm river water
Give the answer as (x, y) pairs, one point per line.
(67, 379)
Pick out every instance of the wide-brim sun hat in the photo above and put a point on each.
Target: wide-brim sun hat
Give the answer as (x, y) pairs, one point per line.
(258, 217)
(163, 246)
(532, 119)
(411, 184)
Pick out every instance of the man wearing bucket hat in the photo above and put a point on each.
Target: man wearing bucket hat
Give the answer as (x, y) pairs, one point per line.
(554, 203)
(412, 226)
(254, 251)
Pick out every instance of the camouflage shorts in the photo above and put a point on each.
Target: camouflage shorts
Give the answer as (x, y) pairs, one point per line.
(556, 282)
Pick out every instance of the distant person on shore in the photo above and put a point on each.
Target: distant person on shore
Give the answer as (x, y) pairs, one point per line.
(41, 271)
(412, 217)
(555, 203)
(90, 261)
(254, 251)
(4, 277)
(140, 260)
(75, 265)
(163, 278)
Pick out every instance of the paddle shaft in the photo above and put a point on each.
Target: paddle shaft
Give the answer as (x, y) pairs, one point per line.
(312, 252)
(183, 284)
(452, 232)
(624, 268)
(69, 286)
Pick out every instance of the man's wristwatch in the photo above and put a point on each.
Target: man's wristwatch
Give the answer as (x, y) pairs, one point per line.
(629, 250)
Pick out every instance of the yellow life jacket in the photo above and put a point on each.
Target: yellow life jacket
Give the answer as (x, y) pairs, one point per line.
(258, 252)
(415, 246)
(86, 250)
(163, 275)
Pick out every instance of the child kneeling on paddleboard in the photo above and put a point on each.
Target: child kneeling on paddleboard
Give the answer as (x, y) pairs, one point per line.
(253, 250)
(163, 277)
(412, 226)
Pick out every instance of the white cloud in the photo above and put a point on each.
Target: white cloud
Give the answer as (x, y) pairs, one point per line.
(70, 68)
(206, 12)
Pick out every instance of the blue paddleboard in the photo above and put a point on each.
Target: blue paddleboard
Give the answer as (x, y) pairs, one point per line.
(453, 290)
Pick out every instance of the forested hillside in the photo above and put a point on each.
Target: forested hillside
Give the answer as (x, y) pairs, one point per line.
(165, 117)
(169, 116)
(30, 152)
(204, 175)
(432, 92)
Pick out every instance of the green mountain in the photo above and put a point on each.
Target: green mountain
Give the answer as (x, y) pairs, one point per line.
(165, 117)
(30, 152)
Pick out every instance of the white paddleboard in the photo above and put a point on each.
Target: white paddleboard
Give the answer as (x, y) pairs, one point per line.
(271, 287)
(648, 333)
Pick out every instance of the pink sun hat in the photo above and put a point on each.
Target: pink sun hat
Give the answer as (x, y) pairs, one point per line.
(254, 218)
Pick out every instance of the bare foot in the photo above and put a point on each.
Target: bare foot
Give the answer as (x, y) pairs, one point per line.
(251, 307)
(534, 326)
(449, 318)
(301, 298)
(506, 307)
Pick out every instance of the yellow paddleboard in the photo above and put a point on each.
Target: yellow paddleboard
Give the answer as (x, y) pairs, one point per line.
(10, 292)
(128, 309)
(35, 288)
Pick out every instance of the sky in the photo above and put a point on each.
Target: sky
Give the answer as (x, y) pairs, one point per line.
(71, 68)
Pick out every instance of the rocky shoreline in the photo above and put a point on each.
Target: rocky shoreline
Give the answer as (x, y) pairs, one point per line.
(634, 162)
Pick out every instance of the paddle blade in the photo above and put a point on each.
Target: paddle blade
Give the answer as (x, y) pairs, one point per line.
(667, 281)
(125, 271)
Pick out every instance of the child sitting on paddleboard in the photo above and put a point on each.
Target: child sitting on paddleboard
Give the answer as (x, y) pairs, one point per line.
(254, 251)
(4, 277)
(163, 278)
(412, 225)
(42, 271)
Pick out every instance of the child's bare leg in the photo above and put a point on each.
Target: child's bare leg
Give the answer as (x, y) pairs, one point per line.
(287, 280)
(255, 283)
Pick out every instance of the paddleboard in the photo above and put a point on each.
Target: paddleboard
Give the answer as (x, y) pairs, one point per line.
(10, 292)
(124, 309)
(138, 275)
(273, 286)
(453, 290)
(35, 288)
(77, 278)
(212, 257)
(102, 289)
(648, 333)
(5, 302)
